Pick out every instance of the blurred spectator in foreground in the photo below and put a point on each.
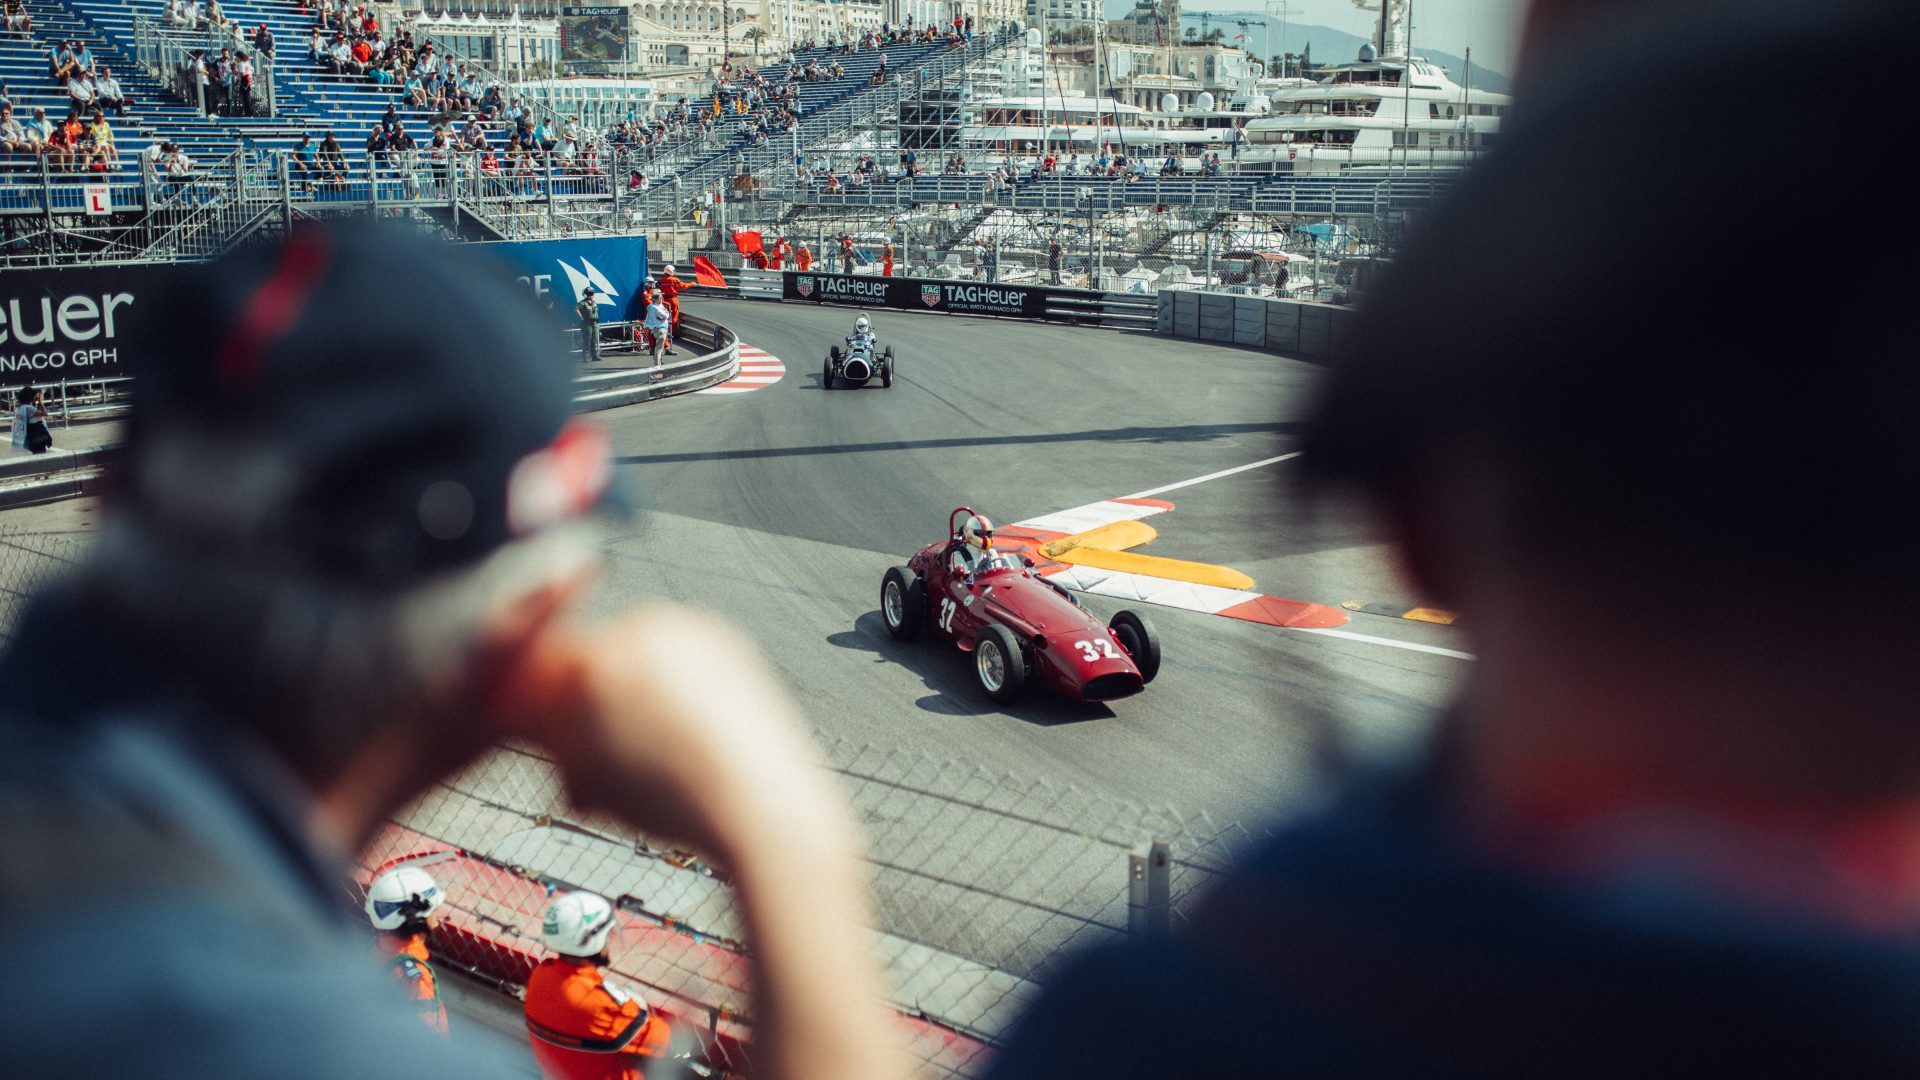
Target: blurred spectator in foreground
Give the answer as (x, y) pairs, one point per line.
(1672, 826)
(331, 576)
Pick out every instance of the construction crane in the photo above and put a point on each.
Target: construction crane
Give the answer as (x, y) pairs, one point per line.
(1245, 20)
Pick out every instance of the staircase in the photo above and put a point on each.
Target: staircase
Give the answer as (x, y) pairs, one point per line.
(832, 110)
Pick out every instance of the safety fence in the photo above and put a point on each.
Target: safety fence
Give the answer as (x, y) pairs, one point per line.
(984, 882)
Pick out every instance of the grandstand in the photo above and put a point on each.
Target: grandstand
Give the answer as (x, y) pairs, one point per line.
(244, 158)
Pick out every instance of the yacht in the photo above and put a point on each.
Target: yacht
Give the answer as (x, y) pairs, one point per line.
(1387, 108)
(1070, 127)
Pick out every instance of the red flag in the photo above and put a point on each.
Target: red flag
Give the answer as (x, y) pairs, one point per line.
(746, 243)
(705, 273)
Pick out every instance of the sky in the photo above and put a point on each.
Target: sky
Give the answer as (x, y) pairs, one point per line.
(1491, 27)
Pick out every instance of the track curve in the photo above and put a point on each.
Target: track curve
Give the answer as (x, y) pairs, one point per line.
(782, 509)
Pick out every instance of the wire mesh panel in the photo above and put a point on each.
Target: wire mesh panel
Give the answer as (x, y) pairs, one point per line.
(983, 881)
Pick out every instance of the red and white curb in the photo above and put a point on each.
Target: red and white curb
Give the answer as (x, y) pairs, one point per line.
(1028, 536)
(759, 369)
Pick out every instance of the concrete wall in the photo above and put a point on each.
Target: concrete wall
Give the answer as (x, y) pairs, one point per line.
(1289, 327)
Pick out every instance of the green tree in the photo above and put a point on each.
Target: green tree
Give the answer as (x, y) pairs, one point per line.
(755, 35)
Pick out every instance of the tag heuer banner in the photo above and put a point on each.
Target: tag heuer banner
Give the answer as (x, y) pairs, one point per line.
(955, 297)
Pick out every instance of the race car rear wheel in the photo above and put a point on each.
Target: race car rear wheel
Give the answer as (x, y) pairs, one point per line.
(1135, 634)
(903, 603)
(826, 374)
(998, 663)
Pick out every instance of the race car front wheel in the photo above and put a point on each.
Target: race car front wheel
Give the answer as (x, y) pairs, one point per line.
(998, 664)
(1135, 634)
(903, 603)
(826, 374)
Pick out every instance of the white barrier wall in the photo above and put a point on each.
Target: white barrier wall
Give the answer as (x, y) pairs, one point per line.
(1291, 327)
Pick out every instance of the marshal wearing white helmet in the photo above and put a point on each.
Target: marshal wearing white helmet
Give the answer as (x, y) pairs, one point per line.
(581, 1025)
(402, 904)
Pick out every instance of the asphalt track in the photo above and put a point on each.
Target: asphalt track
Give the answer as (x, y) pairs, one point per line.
(781, 508)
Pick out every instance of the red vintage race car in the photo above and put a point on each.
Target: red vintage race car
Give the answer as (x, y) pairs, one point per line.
(1020, 627)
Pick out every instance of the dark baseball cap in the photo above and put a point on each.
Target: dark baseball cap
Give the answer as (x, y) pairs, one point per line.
(356, 403)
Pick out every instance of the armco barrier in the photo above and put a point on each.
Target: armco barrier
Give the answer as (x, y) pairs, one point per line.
(1291, 327)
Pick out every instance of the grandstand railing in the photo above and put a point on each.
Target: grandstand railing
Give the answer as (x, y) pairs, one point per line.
(199, 216)
(166, 52)
(829, 122)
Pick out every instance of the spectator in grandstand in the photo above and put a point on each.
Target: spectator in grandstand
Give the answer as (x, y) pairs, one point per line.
(1639, 844)
(13, 134)
(63, 146)
(108, 95)
(262, 41)
(19, 19)
(312, 617)
(61, 61)
(178, 165)
(316, 45)
(240, 87)
(153, 159)
(403, 904)
(200, 77)
(1056, 257)
(103, 155)
(303, 164)
(333, 160)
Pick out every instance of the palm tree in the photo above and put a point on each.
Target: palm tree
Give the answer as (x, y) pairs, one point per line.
(756, 35)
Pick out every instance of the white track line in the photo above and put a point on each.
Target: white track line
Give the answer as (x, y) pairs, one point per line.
(1410, 646)
(1213, 476)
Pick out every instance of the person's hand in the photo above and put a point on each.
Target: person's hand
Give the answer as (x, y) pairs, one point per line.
(670, 721)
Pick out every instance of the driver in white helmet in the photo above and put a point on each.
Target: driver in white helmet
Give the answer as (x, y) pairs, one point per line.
(402, 903)
(580, 1024)
(974, 553)
(862, 336)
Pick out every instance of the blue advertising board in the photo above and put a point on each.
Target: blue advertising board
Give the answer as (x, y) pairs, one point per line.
(559, 270)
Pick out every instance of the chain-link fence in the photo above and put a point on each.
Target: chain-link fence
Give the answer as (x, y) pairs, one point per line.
(28, 562)
(983, 881)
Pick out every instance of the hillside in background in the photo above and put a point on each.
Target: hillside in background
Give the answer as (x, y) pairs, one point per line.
(1327, 44)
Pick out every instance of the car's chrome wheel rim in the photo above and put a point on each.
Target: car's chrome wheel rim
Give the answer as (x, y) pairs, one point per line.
(993, 666)
(894, 605)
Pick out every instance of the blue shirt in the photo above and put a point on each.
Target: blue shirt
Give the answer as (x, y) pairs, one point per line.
(164, 911)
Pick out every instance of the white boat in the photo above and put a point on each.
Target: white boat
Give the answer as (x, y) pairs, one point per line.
(1386, 108)
(1076, 130)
